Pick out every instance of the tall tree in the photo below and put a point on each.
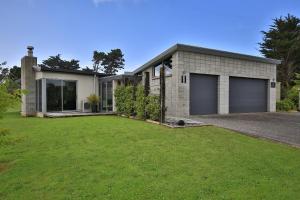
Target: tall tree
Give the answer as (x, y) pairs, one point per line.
(4, 71)
(98, 58)
(282, 41)
(14, 73)
(57, 62)
(113, 62)
(109, 63)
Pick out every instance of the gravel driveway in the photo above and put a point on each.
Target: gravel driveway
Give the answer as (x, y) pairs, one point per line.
(283, 127)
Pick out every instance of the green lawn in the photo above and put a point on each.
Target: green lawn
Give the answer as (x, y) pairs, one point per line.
(107, 157)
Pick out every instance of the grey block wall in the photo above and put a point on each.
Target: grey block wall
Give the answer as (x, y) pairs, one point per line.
(28, 83)
(184, 63)
(224, 67)
(171, 91)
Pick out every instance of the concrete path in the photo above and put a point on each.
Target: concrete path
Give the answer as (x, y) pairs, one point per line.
(282, 127)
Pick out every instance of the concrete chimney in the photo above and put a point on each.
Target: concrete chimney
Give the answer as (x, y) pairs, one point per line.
(30, 51)
(28, 83)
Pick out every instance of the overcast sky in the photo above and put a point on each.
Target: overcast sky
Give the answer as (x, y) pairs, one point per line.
(141, 28)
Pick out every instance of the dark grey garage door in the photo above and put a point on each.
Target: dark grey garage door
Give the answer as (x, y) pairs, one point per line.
(203, 94)
(247, 95)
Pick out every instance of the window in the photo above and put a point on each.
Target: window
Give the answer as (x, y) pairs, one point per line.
(156, 70)
(106, 96)
(39, 95)
(61, 95)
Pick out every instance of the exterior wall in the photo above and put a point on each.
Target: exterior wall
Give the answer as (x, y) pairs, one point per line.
(85, 85)
(184, 63)
(170, 89)
(224, 67)
(28, 107)
(278, 91)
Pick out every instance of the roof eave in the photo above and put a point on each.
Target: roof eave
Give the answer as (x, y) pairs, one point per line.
(194, 49)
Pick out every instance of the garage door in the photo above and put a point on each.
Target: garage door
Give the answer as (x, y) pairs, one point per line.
(247, 95)
(203, 94)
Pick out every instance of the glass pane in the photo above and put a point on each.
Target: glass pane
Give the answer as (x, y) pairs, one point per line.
(69, 95)
(106, 96)
(103, 95)
(168, 70)
(109, 96)
(54, 95)
(40, 95)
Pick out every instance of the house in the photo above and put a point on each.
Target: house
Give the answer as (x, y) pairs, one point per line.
(199, 81)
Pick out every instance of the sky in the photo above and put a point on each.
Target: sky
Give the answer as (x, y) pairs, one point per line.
(140, 28)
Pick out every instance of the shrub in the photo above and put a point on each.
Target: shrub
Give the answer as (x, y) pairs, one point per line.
(293, 95)
(153, 107)
(140, 102)
(129, 100)
(285, 105)
(93, 99)
(9, 99)
(120, 99)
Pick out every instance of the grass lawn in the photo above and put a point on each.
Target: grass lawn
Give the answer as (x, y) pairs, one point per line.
(107, 157)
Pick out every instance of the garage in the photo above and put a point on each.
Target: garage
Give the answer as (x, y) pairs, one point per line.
(203, 94)
(247, 95)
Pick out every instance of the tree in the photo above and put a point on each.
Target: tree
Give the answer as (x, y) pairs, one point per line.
(4, 71)
(9, 99)
(57, 62)
(14, 73)
(109, 63)
(113, 61)
(282, 41)
(98, 58)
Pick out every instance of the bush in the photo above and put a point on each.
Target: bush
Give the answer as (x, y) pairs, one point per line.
(140, 102)
(153, 107)
(124, 100)
(9, 99)
(285, 105)
(129, 100)
(120, 99)
(293, 95)
(93, 99)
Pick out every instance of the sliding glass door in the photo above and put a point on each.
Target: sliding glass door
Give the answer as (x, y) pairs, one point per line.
(69, 95)
(61, 95)
(106, 96)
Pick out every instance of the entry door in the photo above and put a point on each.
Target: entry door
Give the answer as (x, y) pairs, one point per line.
(203, 94)
(247, 95)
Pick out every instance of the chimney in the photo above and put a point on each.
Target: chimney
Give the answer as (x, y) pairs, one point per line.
(30, 51)
(28, 83)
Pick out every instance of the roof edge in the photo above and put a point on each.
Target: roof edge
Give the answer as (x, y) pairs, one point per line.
(207, 51)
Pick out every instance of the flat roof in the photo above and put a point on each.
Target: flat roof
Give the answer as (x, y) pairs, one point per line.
(71, 71)
(202, 50)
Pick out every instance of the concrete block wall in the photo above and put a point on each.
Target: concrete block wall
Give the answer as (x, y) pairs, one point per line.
(224, 67)
(28, 106)
(171, 86)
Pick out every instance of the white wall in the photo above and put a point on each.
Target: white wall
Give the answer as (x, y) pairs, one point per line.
(85, 83)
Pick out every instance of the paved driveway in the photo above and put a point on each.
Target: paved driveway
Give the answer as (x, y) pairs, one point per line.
(283, 127)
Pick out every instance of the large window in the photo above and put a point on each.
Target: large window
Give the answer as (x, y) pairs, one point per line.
(106, 96)
(61, 95)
